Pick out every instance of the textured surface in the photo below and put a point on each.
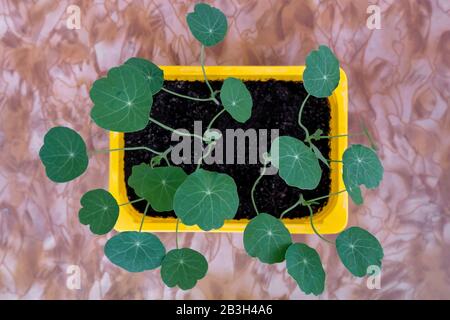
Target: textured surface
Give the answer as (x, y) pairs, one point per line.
(399, 79)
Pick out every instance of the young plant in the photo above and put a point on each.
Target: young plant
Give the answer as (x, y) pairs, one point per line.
(123, 102)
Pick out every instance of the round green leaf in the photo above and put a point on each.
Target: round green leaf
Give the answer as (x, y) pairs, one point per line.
(236, 99)
(304, 265)
(63, 154)
(266, 238)
(207, 24)
(206, 199)
(122, 100)
(322, 74)
(358, 249)
(297, 164)
(361, 166)
(135, 251)
(152, 73)
(156, 185)
(99, 210)
(183, 268)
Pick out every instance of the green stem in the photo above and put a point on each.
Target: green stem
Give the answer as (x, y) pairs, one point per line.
(143, 216)
(252, 193)
(327, 196)
(314, 228)
(125, 149)
(340, 136)
(214, 119)
(130, 202)
(208, 152)
(176, 232)
(186, 97)
(162, 125)
(295, 205)
(202, 63)
(335, 160)
(300, 118)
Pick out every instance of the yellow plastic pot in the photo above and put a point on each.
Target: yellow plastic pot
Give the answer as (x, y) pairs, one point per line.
(331, 219)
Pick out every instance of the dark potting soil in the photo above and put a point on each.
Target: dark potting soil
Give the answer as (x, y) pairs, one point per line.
(275, 106)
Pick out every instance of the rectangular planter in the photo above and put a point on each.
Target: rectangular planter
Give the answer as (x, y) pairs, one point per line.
(331, 219)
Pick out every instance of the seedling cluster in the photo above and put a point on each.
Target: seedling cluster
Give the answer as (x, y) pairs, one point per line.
(123, 101)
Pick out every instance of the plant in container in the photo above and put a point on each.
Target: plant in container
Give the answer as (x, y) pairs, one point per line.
(157, 184)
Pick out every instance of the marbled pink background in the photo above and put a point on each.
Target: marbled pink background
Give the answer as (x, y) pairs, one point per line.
(399, 79)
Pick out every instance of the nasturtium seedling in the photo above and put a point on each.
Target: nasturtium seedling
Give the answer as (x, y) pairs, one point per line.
(135, 251)
(156, 185)
(152, 73)
(297, 164)
(236, 99)
(122, 100)
(358, 249)
(361, 166)
(304, 265)
(99, 210)
(267, 238)
(322, 73)
(206, 199)
(207, 24)
(63, 154)
(183, 268)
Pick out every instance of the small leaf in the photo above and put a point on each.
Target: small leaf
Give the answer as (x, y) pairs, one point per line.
(99, 210)
(322, 73)
(319, 155)
(358, 249)
(304, 265)
(122, 100)
(63, 154)
(297, 164)
(152, 73)
(266, 238)
(156, 185)
(236, 99)
(361, 167)
(206, 199)
(135, 251)
(316, 135)
(183, 268)
(207, 24)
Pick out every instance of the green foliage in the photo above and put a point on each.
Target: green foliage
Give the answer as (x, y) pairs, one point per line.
(99, 210)
(322, 73)
(361, 167)
(122, 100)
(135, 251)
(236, 99)
(304, 265)
(358, 249)
(152, 73)
(297, 164)
(207, 24)
(206, 199)
(156, 185)
(63, 154)
(183, 268)
(266, 238)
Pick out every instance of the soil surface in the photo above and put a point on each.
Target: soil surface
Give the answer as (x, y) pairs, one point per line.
(275, 106)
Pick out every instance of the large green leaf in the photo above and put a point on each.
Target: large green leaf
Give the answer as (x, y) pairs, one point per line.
(358, 249)
(236, 99)
(183, 268)
(122, 100)
(322, 74)
(135, 251)
(63, 154)
(266, 238)
(156, 185)
(99, 210)
(297, 164)
(152, 73)
(361, 166)
(304, 265)
(207, 24)
(206, 199)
